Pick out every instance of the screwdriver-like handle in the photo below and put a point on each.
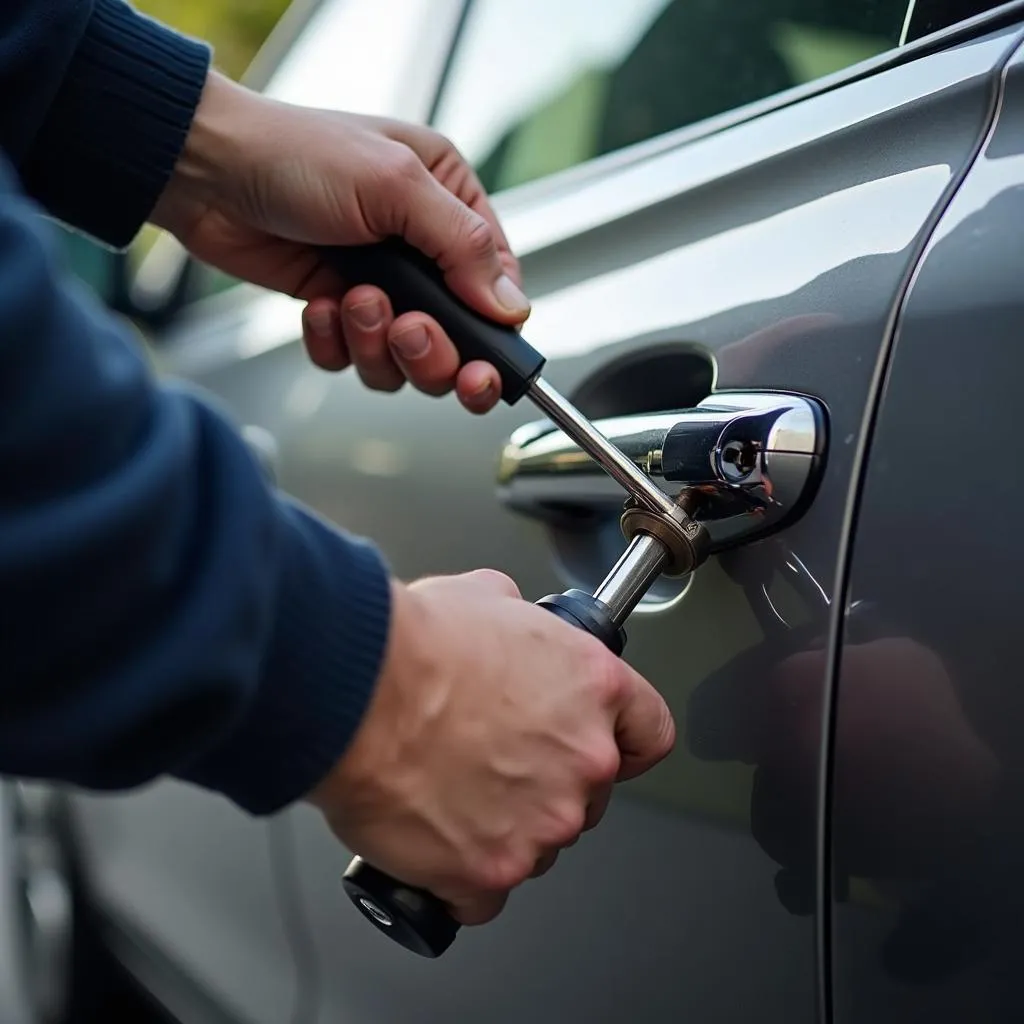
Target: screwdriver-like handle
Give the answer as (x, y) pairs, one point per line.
(415, 918)
(413, 282)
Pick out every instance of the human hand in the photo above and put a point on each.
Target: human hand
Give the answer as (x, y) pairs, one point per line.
(492, 741)
(262, 184)
(911, 775)
(910, 778)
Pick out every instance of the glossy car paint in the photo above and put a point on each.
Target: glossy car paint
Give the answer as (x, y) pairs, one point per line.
(928, 781)
(772, 252)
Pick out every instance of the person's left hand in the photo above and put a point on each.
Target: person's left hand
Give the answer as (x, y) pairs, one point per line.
(261, 184)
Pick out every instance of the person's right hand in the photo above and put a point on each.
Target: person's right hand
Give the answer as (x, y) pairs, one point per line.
(262, 185)
(492, 741)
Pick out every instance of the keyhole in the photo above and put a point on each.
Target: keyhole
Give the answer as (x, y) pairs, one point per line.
(737, 461)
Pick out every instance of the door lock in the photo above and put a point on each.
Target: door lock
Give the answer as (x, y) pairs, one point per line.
(752, 460)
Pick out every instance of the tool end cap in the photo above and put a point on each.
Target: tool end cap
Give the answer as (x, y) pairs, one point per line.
(411, 917)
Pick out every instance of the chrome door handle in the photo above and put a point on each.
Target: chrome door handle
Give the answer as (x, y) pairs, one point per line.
(754, 457)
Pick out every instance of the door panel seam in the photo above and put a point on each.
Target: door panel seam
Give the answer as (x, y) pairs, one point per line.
(837, 617)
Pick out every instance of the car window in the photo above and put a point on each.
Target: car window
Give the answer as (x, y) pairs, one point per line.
(536, 86)
(927, 16)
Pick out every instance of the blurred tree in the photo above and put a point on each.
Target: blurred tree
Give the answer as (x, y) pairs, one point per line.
(236, 28)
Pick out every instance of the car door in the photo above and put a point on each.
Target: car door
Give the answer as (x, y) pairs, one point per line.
(928, 777)
(190, 886)
(766, 249)
(750, 227)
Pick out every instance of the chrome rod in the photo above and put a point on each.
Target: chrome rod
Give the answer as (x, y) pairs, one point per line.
(624, 587)
(619, 466)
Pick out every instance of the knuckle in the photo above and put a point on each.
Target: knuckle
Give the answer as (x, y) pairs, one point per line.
(361, 295)
(441, 146)
(402, 164)
(479, 238)
(499, 581)
(600, 762)
(500, 872)
(604, 674)
(567, 823)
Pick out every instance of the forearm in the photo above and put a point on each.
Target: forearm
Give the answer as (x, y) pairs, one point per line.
(161, 610)
(110, 122)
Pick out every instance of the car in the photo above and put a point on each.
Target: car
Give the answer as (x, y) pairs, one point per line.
(774, 249)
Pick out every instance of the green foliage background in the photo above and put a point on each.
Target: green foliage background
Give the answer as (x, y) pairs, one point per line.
(236, 28)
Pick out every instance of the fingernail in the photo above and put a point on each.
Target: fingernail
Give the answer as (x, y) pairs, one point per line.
(480, 399)
(509, 295)
(321, 322)
(367, 315)
(412, 343)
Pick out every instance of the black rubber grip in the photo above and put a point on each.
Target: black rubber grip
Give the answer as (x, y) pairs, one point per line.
(413, 917)
(414, 282)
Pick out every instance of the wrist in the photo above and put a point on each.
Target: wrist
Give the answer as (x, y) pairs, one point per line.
(355, 778)
(212, 157)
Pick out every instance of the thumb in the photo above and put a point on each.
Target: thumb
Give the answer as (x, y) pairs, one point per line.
(465, 247)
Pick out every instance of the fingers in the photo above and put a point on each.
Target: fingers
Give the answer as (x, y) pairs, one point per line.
(467, 250)
(365, 320)
(478, 387)
(478, 908)
(430, 196)
(464, 244)
(386, 352)
(321, 332)
(596, 808)
(487, 583)
(545, 863)
(447, 165)
(644, 728)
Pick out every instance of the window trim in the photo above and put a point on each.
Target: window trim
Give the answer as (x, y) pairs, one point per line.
(209, 338)
(552, 185)
(907, 21)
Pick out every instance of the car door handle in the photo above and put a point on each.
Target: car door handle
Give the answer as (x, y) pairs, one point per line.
(754, 457)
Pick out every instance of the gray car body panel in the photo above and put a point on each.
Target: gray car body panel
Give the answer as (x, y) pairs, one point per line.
(773, 252)
(928, 776)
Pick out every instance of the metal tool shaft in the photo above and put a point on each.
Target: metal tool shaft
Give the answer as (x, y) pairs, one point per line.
(624, 587)
(619, 466)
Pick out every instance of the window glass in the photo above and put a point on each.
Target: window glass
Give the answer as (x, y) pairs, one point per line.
(927, 16)
(536, 86)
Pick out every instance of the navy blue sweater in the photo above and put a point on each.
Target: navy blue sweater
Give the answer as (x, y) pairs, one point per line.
(162, 611)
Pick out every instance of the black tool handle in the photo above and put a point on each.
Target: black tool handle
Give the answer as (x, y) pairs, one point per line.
(413, 917)
(414, 282)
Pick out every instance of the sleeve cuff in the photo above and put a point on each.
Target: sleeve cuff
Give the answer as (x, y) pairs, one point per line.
(333, 613)
(118, 125)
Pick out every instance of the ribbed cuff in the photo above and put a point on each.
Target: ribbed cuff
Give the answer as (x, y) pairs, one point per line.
(118, 125)
(332, 612)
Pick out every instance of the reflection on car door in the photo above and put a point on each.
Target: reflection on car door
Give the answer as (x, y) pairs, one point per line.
(928, 776)
(772, 252)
